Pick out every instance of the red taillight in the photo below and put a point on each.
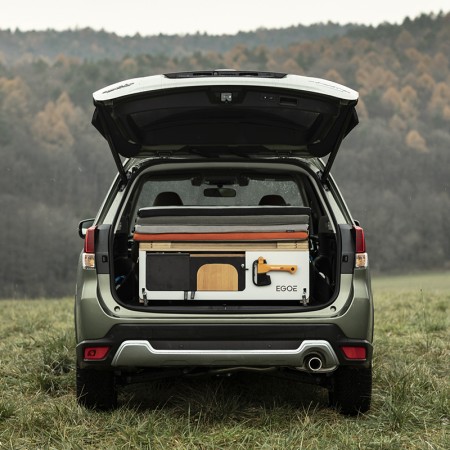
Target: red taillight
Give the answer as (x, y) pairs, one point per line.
(360, 240)
(95, 353)
(354, 352)
(89, 240)
(361, 260)
(89, 249)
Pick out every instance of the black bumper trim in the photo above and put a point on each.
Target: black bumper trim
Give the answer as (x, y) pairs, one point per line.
(223, 336)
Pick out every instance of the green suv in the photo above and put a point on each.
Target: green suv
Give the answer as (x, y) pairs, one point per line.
(224, 244)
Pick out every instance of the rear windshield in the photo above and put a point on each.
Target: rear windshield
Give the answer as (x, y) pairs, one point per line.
(220, 190)
(214, 189)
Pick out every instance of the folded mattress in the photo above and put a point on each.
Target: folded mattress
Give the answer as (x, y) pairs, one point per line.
(222, 223)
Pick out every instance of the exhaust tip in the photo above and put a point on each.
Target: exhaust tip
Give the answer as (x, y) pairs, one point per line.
(314, 363)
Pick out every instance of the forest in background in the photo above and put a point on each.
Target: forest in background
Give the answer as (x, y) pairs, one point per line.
(393, 169)
(87, 44)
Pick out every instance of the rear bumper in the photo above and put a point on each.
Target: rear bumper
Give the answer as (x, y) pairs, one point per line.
(135, 346)
(142, 353)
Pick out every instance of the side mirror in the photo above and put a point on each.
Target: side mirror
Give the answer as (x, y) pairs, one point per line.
(83, 226)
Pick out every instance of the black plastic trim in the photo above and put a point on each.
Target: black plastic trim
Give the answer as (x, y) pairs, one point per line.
(102, 248)
(224, 336)
(348, 249)
(224, 73)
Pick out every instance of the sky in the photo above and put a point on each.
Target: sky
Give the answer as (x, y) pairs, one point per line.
(149, 17)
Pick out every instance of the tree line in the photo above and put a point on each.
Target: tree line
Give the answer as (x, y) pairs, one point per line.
(392, 169)
(86, 44)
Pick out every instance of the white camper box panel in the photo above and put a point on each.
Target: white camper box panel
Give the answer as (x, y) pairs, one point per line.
(209, 252)
(283, 285)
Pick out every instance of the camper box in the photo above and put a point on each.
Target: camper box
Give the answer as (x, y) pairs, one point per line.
(223, 253)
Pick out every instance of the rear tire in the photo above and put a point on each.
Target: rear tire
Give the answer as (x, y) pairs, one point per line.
(352, 390)
(96, 389)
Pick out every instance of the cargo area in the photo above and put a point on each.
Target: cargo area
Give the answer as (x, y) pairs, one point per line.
(230, 240)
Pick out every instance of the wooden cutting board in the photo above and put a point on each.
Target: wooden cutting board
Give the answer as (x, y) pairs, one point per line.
(217, 277)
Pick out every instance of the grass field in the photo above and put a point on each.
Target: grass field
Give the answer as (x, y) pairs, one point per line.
(248, 411)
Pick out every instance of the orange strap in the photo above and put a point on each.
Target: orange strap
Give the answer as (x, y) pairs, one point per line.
(270, 236)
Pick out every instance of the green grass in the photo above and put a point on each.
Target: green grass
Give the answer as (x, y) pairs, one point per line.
(410, 397)
(429, 282)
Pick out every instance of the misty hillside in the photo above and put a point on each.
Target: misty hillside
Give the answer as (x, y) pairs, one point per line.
(393, 169)
(87, 44)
